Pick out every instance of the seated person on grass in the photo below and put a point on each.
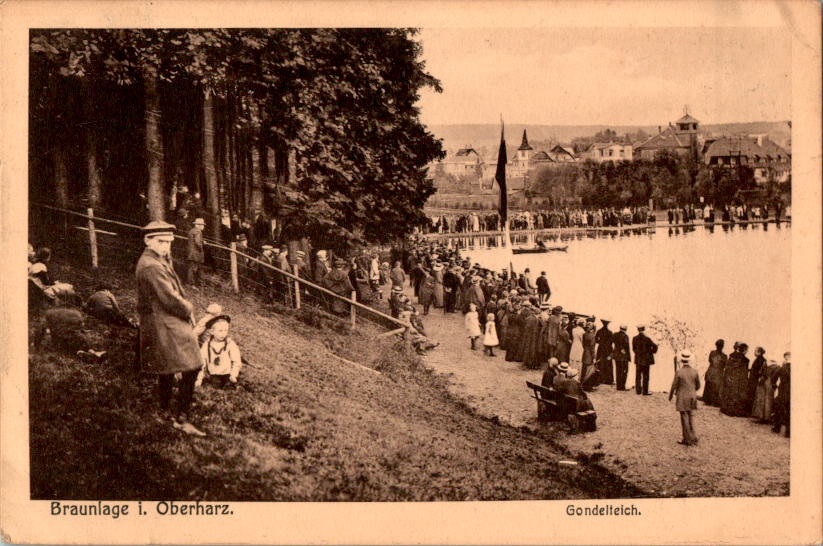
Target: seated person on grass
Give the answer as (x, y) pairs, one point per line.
(103, 306)
(221, 356)
(39, 274)
(65, 328)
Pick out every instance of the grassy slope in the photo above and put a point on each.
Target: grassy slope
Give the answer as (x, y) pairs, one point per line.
(303, 425)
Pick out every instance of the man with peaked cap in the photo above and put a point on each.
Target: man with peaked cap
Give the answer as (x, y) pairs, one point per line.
(603, 354)
(621, 353)
(167, 342)
(194, 256)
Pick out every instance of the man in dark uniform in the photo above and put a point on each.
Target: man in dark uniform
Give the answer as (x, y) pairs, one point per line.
(644, 349)
(603, 338)
(451, 284)
(621, 354)
(543, 290)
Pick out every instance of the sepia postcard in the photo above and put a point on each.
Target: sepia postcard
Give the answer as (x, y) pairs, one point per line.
(411, 272)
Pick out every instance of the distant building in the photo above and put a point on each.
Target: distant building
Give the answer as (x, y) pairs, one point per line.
(465, 162)
(684, 138)
(608, 151)
(519, 166)
(562, 154)
(767, 160)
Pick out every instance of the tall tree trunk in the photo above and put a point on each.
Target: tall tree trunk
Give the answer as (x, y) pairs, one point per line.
(61, 176)
(154, 145)
(90, 115)
(210, 167)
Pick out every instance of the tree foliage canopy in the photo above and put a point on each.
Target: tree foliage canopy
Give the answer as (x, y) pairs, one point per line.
(337, 107)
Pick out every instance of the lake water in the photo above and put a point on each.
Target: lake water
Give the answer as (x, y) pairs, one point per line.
(732, 283)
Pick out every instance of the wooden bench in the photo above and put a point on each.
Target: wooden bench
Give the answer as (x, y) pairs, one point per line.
(554, 406)
(548, 402)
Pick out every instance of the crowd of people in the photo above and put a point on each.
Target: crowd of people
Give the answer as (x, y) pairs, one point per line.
(760, 391)
(728, 213)
(472, 222)
(512, 313)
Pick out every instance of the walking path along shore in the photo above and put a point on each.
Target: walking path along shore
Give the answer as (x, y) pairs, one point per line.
(636, 435)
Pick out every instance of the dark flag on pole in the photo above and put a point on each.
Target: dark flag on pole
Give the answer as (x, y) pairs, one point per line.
(500, 176)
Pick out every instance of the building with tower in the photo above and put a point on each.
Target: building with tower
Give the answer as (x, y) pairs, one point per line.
(683, 137)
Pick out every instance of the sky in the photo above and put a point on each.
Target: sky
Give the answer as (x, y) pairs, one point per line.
(611, 76)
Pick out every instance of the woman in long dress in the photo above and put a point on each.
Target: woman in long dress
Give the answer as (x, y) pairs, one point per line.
(502, 322)
(589, 371)
(758, 366)
(576, 353)
(764, 393)
(513, 333)
(735, 383)
(714, 375)
(531, 327)
(438, 286)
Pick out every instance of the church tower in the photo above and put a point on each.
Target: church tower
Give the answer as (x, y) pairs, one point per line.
(524, 154)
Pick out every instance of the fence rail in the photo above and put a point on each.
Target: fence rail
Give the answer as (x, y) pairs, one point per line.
(265, 278)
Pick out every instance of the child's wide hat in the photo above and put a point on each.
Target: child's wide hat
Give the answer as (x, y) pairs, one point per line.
(212, 321)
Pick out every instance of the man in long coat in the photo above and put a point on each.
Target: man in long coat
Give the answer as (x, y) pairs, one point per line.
(553, 331)
(337, 280)
(603, 338)
(167, 342)
(544, 292)
(451, 286)
(644, 349)
(621, 353)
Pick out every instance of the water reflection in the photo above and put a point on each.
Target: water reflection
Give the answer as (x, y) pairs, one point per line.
(710, 279)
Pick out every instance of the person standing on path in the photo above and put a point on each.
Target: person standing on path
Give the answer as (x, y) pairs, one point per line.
(622, 355)
(782, 403)
(603, 338)
(167, 342)
(398, 276)
(576, 353)
(472, 325)
(685, 386)
(490, 340)
(714, 375)
(644, 349)
(194, 255)
(544, 292)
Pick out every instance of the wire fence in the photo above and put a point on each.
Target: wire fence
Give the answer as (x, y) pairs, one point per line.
(81, 236)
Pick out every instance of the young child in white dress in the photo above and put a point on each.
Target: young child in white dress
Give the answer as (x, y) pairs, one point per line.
(221, 356)
(473, 325)
(490, 340)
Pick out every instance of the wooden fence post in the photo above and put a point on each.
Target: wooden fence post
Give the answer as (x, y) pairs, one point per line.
(353, 309)
(92, 239)
(296, 270)
(235, 284)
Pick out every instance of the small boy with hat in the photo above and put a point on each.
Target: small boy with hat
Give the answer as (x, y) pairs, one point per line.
(221, 355)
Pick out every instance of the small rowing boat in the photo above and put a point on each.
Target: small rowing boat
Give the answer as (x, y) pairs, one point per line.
(539, 249)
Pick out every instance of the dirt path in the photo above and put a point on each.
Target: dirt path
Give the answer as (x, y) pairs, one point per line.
(637, 435)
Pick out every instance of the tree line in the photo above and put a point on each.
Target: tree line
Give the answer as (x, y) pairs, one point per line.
(316, 128)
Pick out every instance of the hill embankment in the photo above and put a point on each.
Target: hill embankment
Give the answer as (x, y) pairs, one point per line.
(321, 413)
